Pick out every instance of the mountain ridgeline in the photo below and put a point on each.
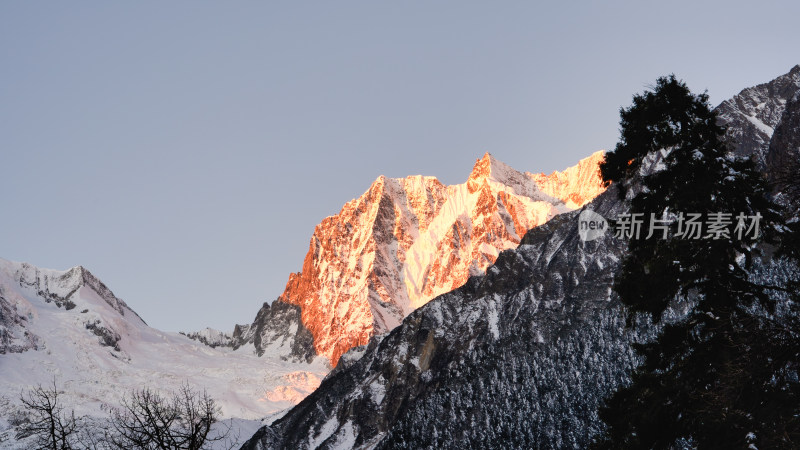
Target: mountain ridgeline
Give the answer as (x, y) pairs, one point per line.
(523, 355)
(404, 242)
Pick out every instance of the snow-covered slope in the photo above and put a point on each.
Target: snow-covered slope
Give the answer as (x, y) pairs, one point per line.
(69, 326)
(406, 241)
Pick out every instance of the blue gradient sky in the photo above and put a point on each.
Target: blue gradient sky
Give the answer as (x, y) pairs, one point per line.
(184, 151)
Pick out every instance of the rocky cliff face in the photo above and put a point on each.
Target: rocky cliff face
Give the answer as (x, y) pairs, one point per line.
(279, 330)
(753, 114)
(785, 143)
(519, 357)
(406, 241)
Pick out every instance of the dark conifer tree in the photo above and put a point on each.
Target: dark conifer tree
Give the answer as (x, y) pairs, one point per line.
(703, 382)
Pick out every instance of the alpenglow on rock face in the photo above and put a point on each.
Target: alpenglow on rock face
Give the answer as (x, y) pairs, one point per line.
(406, 241)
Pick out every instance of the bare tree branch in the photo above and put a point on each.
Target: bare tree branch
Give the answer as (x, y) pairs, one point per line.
(149, 420)
(47, 421)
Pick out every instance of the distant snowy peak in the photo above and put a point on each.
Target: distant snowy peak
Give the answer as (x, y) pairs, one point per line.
(753, 114)
(408, 240)
(60, 286)
(27, 292)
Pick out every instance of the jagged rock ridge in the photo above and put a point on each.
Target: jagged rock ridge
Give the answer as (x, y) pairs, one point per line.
(277, 327)
(405, 241)
(753, 114)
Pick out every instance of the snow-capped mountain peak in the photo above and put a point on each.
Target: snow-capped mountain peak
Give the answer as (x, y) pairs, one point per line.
(490, 168)
(31, 298)
(407, 240)
(488, 171)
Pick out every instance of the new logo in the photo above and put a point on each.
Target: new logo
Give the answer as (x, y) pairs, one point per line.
(591, 225)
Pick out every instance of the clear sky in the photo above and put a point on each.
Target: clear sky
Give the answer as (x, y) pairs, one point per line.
(184, 151)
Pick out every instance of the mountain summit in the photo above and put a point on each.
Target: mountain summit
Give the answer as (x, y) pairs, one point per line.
(406, 241)
(491, 169)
